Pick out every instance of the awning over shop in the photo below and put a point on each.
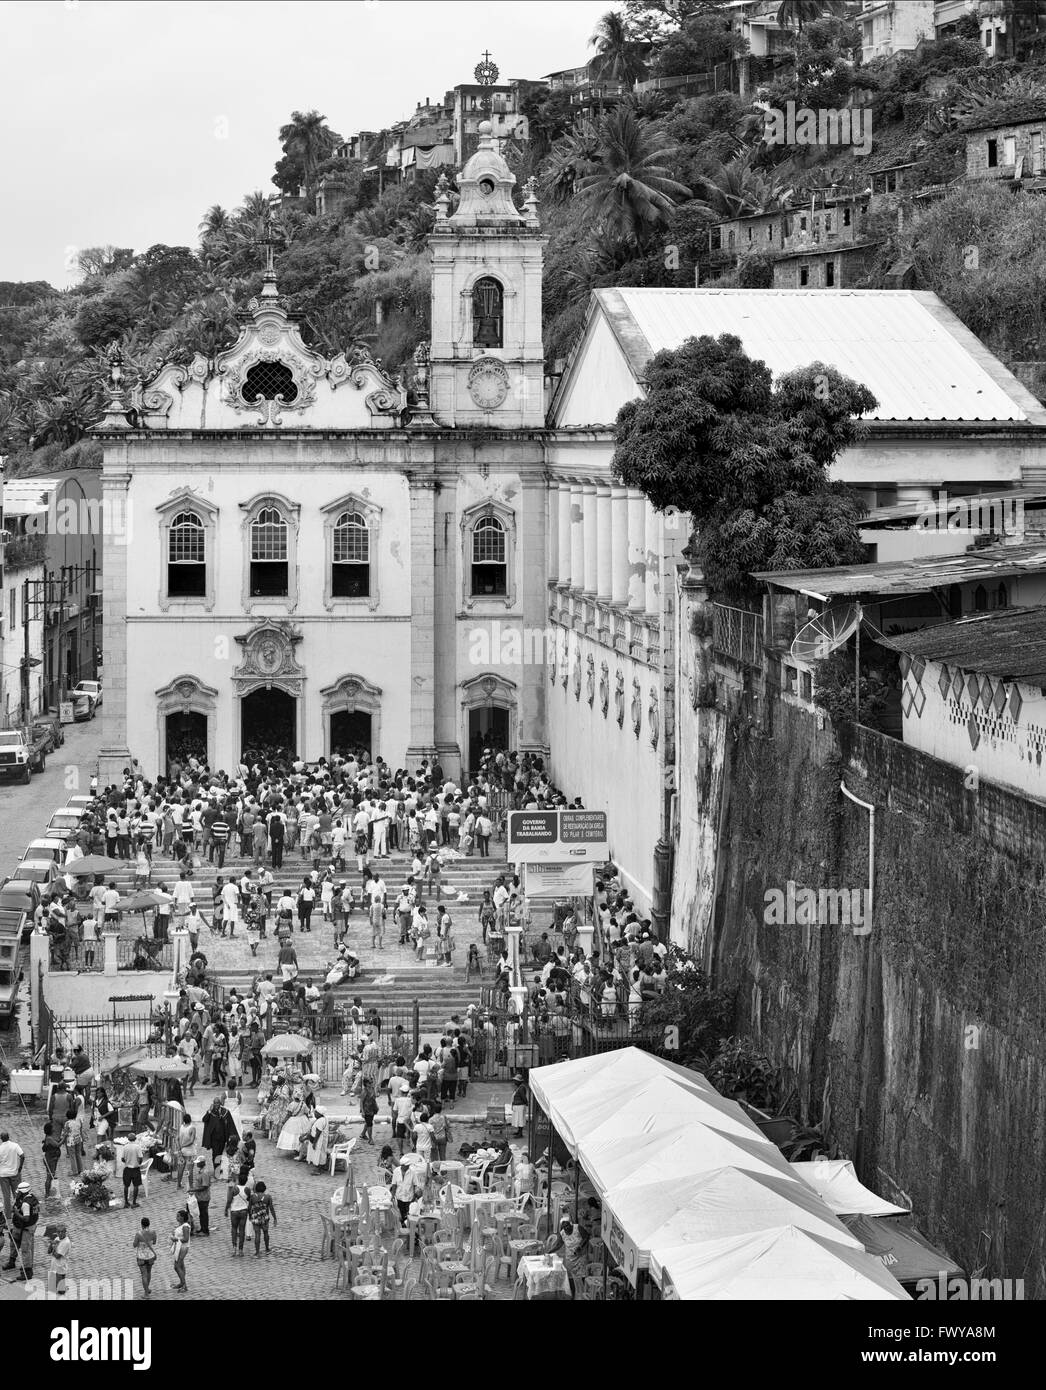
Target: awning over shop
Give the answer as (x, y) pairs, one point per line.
(901, 1248)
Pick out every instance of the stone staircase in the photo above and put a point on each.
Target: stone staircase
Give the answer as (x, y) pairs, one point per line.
(440, 990)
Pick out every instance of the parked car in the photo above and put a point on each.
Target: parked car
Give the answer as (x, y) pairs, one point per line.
(83, 803)
(50, 726)
(65, 824)
(92, 688)
(45, 873)
(49, 848)
(19, 899)
(83, 708)
(16, 756)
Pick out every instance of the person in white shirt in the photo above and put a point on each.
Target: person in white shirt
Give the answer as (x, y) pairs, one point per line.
(379, 819)
(230, 907)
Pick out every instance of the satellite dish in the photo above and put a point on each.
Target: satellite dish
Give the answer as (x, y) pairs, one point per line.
(823, 634)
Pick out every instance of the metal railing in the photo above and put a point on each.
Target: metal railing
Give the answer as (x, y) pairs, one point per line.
(738, 634)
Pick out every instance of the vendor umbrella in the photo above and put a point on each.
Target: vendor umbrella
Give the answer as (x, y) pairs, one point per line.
(161, 1066)
(288, 1045)
(143, 901)
(92, 864)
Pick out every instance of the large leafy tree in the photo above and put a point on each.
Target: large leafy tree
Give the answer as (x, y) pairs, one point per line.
(747, 457)
(632, 190)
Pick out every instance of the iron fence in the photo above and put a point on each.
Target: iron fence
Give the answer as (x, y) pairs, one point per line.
(738, 634)
(100, 1035)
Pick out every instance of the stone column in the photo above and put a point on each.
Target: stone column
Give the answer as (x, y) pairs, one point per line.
(619, 545)
(636, 551)
(577, 538)
(552, 508)
(447, 599)
(115, 754)
(422, 620)
(562, 522)
(110, 942)
(652, 546)
(604, 548)
(533, 603)
(588, 502)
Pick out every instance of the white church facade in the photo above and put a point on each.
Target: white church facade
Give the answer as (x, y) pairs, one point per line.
(313, 560)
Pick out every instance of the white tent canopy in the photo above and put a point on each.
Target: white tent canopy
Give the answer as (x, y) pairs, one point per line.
(678, 1154)
(660, 1104)
(780, 1264)
(839, 1187)
(723, 1203)
(579, 1095)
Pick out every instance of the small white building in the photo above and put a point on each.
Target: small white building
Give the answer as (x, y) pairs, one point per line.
(974, 695)
(889, 27)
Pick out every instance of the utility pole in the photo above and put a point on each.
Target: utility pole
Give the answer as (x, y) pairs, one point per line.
(25, 651)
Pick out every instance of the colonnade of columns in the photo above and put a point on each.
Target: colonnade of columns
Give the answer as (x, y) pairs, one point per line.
(605, 544)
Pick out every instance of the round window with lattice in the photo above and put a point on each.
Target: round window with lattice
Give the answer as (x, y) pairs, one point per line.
(269, 381)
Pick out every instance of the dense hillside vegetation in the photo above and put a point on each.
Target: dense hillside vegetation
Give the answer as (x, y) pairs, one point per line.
(630, 191)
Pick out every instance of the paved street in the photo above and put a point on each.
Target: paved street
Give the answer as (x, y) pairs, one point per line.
(25, 811)
(294, 1270)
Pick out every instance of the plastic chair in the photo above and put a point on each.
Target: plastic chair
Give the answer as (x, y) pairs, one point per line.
(340, 1154)
(145, 1176)
(502, 1258)
(421, 1292)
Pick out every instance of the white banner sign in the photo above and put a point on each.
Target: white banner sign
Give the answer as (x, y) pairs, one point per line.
(560, 880)
(557, 837)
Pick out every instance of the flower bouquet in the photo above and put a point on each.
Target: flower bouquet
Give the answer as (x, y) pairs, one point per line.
(92, 1192)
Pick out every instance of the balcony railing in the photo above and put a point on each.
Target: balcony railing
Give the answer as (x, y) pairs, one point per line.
(738, 634)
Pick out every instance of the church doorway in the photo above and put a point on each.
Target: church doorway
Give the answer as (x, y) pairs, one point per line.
(488, 728)
(185, 737)
(351, 731)
(268, 722)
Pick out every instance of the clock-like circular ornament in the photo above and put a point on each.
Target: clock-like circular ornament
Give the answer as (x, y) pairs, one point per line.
(488, 383)
(486, 73)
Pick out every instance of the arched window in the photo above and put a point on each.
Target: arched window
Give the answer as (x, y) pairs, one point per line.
(186, 557)
(489, 558)
(267, 380)
(980, 599)
(1002, 597)
(269, 574)
(350, 558)
(488, 303)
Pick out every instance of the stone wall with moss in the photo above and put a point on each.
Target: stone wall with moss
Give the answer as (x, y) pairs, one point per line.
(925, 1039)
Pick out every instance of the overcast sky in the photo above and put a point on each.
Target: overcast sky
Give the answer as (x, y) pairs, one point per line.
(124, 120)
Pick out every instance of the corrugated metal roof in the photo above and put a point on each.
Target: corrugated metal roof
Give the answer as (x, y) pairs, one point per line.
(904, 345)
(1010, 643)
(918, 576)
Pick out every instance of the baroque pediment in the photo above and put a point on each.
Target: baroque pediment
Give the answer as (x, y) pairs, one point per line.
(271, 379)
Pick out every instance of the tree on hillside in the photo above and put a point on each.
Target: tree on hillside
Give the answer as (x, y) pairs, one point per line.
(793, 14)
(572, 158)
(618, 56)
(738, 188)
(632, 190)
(654, 20)
(101, 261)
(307, 140)
(747, 457)
(704, 40)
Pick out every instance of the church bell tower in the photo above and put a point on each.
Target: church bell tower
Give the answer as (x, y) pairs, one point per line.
(487, 359)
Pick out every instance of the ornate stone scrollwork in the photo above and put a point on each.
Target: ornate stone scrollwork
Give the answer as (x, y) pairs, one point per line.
(604, 688)
(619, 698)
(654, 717)
(590, 679)
(637, 707)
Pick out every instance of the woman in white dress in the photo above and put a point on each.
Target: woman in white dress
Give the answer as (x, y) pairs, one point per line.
(297, 1123)
(316, 1154)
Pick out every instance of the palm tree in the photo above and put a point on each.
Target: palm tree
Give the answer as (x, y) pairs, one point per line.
(215, 221)
(738, 188)
(617, 53)
(793, 14)
(573, 157)
(308, 139)
(632, 191)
